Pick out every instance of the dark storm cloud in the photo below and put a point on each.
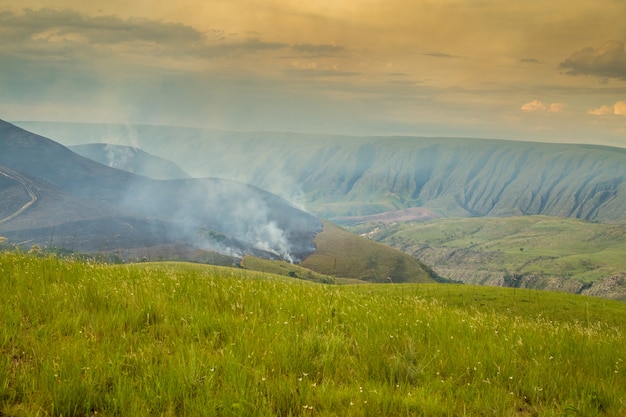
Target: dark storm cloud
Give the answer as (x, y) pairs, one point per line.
(58, 25)
(607, 61)
(67, 33)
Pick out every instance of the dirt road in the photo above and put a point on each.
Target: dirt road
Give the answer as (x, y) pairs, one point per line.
(23, 183)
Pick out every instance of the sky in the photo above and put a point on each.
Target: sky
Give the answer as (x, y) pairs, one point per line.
(533, 70)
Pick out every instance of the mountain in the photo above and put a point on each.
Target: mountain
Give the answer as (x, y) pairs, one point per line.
(131, 159)
(338, 176)
(74, 199)
(51, 196)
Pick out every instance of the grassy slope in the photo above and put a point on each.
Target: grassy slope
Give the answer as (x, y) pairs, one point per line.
(284, 268)
(182, 339)
(546, 246)
(342, 254)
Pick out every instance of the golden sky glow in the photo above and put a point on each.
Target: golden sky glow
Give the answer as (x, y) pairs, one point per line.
(531, 70)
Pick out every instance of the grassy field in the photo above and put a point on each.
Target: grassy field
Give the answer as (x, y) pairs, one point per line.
(86, 339)
(529, 245)
(285, 269)
(342, 254)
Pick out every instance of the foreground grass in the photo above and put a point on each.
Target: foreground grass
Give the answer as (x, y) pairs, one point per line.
(79, 339)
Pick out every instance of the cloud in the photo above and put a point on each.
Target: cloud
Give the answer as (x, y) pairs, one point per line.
(601, 111)
(315, 73)
(67, 33)
(557, 107)
(239, 48)
(318, 50)
(71, 41)
(442, 55)
(618, 109)
(607, 61)
(536, 106)
(530, 61)
(50, 25)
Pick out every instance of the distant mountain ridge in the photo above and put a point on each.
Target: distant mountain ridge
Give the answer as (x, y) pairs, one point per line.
(339, 176)
(131, 159)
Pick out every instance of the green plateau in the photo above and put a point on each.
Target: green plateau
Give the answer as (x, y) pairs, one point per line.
(532, 251)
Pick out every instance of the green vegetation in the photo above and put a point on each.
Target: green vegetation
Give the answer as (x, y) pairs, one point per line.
(285, 269)
(85, 339)
(342, 254)
(545, 247)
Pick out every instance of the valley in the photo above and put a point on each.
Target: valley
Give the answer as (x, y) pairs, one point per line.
(487, 212)
(338, 176)
(282, 208)
(90, 208)
(531, 251)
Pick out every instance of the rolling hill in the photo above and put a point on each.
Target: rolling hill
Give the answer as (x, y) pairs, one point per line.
(337, 176)
(343, 254)
(54, 197)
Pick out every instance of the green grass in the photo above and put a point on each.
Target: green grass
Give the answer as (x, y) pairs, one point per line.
(285, 269)
(85, 339)
(341, 254)
(546, 246)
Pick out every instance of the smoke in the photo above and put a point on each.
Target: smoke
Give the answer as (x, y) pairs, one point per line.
(123, 134)
(228, 217)
(120, 157)
(270, 238)
(250, 220)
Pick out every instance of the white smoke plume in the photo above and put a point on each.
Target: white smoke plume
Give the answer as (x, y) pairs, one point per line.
(120, 157)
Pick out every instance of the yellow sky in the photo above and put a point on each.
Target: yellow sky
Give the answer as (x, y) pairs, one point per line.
(535, 69)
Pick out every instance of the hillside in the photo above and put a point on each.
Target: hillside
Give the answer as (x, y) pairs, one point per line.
(131, 159)
(52, 195)
(87, 339)
(338, 176)
(341, 254)
(530, 251)
(57, 199)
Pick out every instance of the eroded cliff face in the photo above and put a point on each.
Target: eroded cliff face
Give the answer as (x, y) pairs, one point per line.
(498, 179)
(539, 252)
(476, 268)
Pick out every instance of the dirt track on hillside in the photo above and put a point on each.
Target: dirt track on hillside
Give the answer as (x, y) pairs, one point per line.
(23, 183)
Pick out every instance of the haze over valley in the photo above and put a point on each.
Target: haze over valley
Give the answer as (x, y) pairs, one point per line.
(375, 186)
(178, 131)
